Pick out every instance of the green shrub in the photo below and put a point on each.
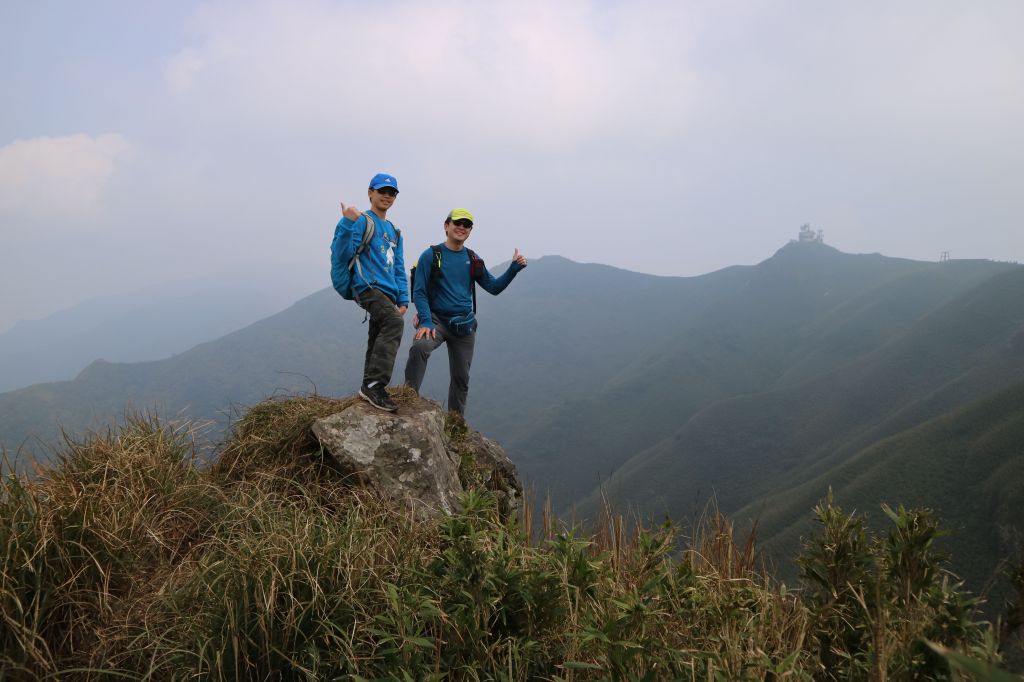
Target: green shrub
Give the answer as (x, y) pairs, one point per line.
(875, 601)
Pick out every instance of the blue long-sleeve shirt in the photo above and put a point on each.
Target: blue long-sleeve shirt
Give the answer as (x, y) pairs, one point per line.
(383, 265)
(453, 294)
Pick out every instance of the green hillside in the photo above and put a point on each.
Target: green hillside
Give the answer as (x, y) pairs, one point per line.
(313, 343)
(803, 313)
(967, 466)
(740, 383)
(746, 447)
(142, 325)
(318, 345)
(563, 345)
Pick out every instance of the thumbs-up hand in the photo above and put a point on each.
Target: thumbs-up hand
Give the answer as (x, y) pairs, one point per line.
(350, 212)
(519, 258)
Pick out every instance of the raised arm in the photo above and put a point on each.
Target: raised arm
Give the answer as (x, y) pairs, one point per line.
(495, 285)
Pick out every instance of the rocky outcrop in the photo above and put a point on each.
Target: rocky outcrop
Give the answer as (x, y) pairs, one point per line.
(411, 457)
(485, 463)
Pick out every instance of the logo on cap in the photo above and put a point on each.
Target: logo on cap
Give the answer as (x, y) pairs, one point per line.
(383, 180)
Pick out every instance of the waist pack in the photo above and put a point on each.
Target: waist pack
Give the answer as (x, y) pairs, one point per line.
(462, 325)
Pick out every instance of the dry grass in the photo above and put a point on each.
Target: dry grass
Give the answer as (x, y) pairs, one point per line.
(275, 437)
(129, 560)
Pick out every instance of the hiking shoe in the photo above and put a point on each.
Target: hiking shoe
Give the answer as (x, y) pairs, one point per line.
(378, 397)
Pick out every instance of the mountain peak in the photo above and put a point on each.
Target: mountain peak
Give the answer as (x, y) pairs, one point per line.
(797, 249)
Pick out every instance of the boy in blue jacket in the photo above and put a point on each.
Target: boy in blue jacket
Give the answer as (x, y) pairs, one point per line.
(379, 286)
(445, 305)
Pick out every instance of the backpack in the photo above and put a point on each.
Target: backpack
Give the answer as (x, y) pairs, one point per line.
(343, 262)
(476, 270)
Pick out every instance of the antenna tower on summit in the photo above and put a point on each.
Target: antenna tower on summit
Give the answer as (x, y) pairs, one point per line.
(809, 235)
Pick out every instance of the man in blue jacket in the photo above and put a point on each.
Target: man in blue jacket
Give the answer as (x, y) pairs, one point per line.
(443, 291)
(380, 286)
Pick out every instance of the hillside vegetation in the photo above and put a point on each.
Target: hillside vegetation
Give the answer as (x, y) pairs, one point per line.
(127, 560)
(784, 444)
(967, 466)
(744, 383)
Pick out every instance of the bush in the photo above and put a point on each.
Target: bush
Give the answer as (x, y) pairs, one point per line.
(876, 601)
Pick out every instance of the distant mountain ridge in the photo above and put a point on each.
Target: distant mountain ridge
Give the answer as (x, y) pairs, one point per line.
(742, 383)
(149, 324)
(959, 353)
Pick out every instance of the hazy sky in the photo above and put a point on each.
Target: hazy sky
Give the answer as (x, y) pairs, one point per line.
(144, 142)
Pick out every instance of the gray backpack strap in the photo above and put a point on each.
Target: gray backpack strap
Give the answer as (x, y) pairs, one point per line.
(371, 227)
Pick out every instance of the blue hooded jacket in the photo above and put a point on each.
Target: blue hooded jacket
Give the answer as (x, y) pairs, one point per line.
(382, 263)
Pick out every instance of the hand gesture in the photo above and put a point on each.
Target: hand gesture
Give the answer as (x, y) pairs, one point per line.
(350, 212)
(519, 258)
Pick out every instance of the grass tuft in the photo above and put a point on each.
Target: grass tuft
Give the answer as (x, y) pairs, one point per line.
(129, 560)
(274, 437)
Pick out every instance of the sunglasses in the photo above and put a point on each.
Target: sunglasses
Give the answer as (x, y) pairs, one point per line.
(462, 222)
(387, 191)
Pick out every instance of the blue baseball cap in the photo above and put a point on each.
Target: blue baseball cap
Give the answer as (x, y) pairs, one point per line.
(383, 180)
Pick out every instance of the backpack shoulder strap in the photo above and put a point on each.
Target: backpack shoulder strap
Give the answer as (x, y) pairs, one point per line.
(435, 266)
(475, 266)
(371, 227)
(354, 264)
(398, 233)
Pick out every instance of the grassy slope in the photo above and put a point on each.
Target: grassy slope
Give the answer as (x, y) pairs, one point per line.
(743, 448)
(968, 466)
(739, 337)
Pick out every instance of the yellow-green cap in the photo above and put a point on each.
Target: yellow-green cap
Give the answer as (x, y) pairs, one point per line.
(460, 214)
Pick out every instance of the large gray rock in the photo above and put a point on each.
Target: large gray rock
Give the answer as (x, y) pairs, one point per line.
(488, 465)
(408, 457)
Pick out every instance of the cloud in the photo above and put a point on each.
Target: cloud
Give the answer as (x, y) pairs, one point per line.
(535, 73)
(58, 177)
(182, 70)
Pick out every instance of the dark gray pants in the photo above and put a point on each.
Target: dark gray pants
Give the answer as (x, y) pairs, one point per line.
(460, 357)
(385, 334)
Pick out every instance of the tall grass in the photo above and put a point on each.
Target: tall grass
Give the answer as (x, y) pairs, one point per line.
(127, 560)
(90, 538)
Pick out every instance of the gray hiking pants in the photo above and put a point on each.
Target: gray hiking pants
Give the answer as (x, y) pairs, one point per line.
(385, 334)
(460, 357)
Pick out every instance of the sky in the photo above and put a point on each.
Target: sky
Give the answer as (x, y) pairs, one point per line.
(143, 144)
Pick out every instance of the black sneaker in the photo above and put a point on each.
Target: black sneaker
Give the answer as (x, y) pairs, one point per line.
(378, 397)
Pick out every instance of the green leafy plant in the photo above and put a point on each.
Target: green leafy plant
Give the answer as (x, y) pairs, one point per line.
(876, 600)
